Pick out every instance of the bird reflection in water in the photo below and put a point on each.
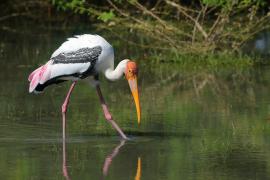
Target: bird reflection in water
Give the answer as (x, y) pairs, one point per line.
(114, 153)
(110, 157)
(138, 174)
(107, 162)
(64, 163)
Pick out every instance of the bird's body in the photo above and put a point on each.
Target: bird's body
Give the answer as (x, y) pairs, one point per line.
(81, 57)
(77, 58)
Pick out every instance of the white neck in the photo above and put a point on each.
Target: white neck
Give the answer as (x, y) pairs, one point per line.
(118, 72)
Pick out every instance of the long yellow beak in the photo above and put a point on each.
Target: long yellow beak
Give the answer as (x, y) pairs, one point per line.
(134, 90)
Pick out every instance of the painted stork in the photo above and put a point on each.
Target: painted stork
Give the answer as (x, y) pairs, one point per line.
(84, 57)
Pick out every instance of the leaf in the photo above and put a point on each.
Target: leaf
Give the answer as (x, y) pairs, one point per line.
(118, 1)
(132, 1)
(106, 16)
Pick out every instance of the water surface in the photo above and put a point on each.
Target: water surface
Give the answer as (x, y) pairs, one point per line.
(205, 124)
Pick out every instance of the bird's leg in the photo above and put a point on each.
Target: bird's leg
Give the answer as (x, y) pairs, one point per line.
(64, 109)
(64, 163)
(108, 115)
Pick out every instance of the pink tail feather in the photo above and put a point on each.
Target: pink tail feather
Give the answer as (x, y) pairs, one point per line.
(30, 77)
(34, 82)
(39, 76)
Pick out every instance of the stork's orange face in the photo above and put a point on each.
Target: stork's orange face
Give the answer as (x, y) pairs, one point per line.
(131, 70)
(131, 74)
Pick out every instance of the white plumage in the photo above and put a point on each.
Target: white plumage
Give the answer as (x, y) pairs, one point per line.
(89, 40)
(81, 41)
(65, 71)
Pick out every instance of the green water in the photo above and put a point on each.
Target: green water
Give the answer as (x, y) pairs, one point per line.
(204, 124)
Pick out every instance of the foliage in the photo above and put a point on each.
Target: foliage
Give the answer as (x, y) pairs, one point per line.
(106, 16)
(230, 3)
(193, 27)
(64, 4)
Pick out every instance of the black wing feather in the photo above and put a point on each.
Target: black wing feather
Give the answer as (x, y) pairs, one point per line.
(83, 55)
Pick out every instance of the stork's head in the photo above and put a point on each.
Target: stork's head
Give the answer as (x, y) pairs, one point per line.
(131, 74)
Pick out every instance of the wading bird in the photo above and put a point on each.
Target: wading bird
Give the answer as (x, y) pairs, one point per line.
(84, 57)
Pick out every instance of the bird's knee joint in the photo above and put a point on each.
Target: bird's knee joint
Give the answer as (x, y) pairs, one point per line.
(109, 117)
(64, 108)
